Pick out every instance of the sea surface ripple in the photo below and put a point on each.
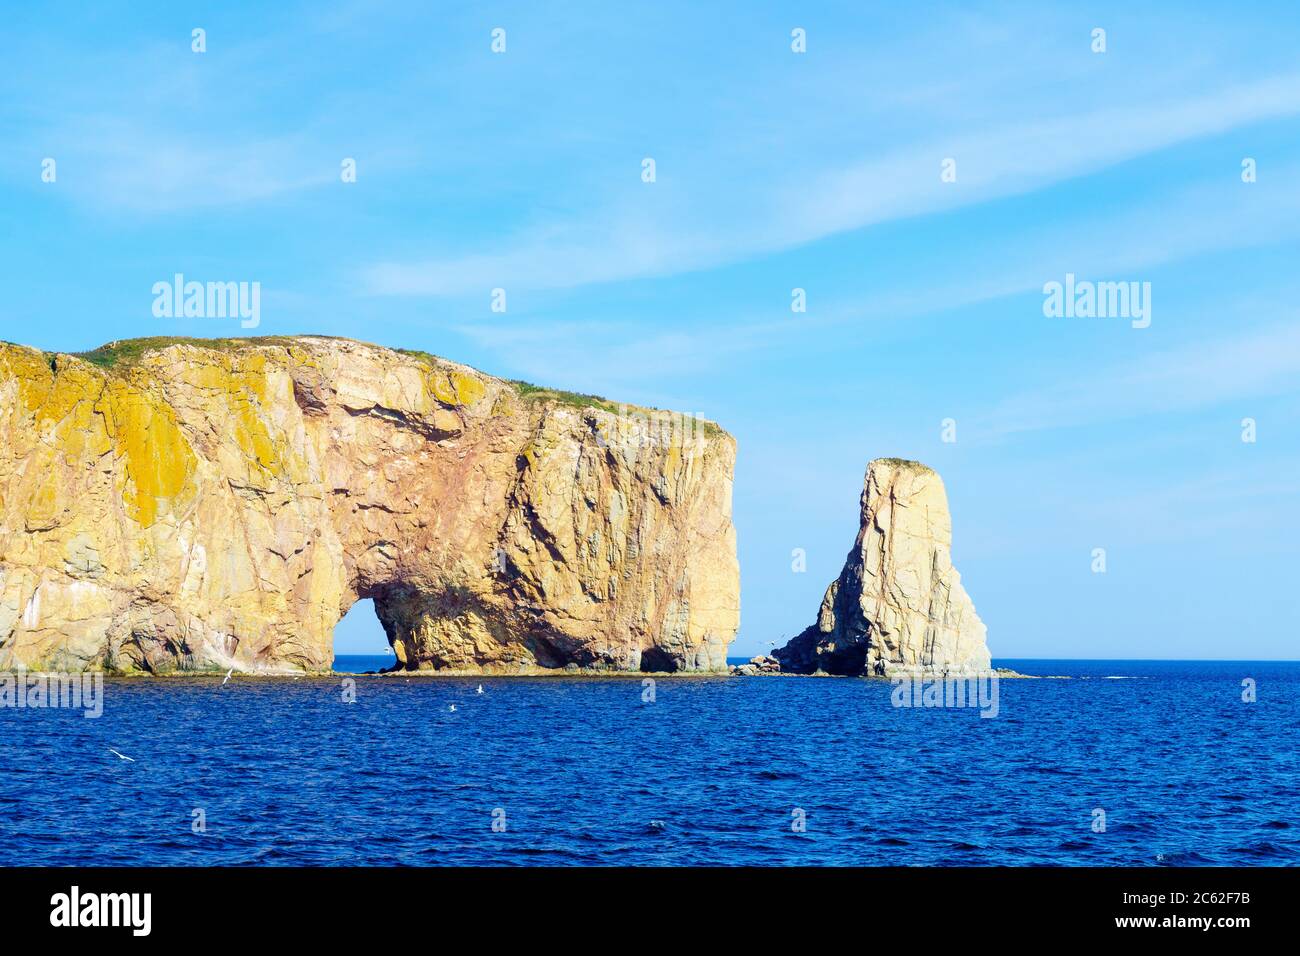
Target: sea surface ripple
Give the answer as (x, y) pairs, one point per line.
(711, 772)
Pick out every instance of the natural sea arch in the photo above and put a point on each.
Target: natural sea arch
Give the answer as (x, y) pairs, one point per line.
(359, 632)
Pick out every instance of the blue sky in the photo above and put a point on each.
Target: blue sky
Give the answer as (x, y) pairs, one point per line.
(774, 170)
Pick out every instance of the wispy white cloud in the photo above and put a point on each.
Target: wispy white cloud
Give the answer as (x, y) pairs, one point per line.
(686, 231)
(117, 165)
(1122, 242)
(1016, 159)
(1257, 362)
(159, 130)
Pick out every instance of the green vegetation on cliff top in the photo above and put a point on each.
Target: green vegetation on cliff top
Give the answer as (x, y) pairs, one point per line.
(576, 399)
(905, 463)
(127, 352)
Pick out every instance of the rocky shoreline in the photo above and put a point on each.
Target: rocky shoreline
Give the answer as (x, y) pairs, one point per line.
(755, 667)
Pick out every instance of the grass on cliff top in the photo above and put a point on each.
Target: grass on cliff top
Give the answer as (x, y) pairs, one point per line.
(529, 391)
(127, 352)
(905, 463)
(575, 399)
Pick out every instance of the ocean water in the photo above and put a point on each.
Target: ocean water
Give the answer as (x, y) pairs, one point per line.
(713, 771)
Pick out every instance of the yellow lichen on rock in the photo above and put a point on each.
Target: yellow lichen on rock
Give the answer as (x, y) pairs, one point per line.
(30, 373)
(238, 382)
(159, 461)
(170, 505)
(454, 388)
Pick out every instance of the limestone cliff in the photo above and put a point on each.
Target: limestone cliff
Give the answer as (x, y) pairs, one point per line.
(898, 606)
(201, 505)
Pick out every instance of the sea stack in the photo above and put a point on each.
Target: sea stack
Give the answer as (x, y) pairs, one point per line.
(898, 607)
(207, 505)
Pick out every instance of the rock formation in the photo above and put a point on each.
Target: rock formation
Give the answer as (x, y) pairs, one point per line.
(898, 606)
(757, 666)
(191, 505)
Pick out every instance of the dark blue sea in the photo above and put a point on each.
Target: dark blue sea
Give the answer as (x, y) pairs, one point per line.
(712, 771)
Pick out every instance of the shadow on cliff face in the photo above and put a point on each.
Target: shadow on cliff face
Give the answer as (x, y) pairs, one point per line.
(450, 629)
(657, 661)
(804, 655)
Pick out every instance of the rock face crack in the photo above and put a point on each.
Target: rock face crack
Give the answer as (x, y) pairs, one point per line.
(479, 515)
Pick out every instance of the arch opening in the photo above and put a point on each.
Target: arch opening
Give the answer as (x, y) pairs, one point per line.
(360, 644)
